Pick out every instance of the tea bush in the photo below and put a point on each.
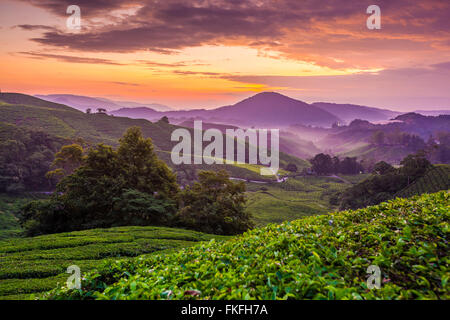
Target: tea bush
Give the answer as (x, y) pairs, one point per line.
(321, 257)
(35, 265)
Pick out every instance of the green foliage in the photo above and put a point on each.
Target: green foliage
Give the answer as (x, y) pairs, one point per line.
(324, 164)
(25, 157)
(62, 121)
(291, 167)
(106, 184)
(214, 204)
(322, 257)
(296, 197)
(383, 168)
(385, 183)
(66, 161)
(34, 265)
(435, 179)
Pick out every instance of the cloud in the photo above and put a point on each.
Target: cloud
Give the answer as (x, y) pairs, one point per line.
(125, 83)
(66, 58)
(329, 33)
(391, 88)
(89, 8)
(35, 27)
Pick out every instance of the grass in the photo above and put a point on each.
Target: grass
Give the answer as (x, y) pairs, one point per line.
(9, 206)
(34, 265)
(321, 257)
(295, 198)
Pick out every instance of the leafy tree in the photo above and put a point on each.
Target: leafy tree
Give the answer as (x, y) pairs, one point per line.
(214, 204)
(385, 183)
(25, 157)
(350, 166)
(382, 168)
(292, 167)
(322, 164)
(378, 138)
(164, 119)
(108, 182)
(66, 161)
(414, 166)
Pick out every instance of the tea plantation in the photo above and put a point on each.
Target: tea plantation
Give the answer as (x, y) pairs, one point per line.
(33, 265)
(437, 178)
(321, 257)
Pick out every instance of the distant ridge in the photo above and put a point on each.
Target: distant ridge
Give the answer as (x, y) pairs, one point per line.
(267, 109)
(350, 112)
(84, 102)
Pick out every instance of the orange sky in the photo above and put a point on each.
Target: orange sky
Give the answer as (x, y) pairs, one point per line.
(195, 54)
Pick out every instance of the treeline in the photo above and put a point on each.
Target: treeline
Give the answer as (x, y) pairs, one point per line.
(436, 149)
(105, 187)
(413, 141)
(324, 164)
(384, 183)
(25, 158)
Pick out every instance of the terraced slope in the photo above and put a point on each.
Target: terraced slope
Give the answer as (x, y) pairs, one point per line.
(34, 265)
(321, 257)
(436, 179)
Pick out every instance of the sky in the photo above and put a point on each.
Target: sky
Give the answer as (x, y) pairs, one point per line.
(208, 53)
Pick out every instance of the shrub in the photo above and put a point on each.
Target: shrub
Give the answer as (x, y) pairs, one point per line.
(321, 257)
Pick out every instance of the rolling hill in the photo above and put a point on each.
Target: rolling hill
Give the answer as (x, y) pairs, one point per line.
(83, 102)
(265, 110)
(350, 112)
(61, 121)
(436, 179)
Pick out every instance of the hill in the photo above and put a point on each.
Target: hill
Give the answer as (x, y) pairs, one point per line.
(434, 180)
(34, 265)
(23, 99)
(137, 113)
(270, 109)
(295, 198)
(265, 110)
(83, 102)
(406, 134)
(350, 112)
(61, 122)
(322, 257)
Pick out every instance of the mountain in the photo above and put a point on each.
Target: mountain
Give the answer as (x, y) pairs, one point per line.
(132, 104)
(137, 113)
(271, 109)
(63, 122)
(405, 134)
(350, 112)
(84, 102)
(265, 110)
(432, 112)
(23, 99)
(290, 142)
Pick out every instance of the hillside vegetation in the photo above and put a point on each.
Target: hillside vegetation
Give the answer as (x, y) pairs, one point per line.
(435, 179)
(34, 265)
(59, 123)
(322, 257)
(295, 198)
